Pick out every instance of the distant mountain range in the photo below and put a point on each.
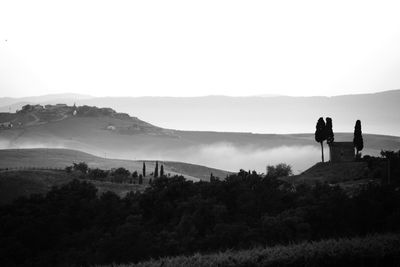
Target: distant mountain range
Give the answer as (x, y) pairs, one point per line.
(106, 133)
(378, 112)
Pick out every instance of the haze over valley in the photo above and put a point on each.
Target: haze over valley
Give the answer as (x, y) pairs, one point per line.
(109, 134)
(199, 133)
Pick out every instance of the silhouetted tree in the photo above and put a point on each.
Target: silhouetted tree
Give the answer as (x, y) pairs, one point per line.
(280, 170)
(358, 139)
(97, 174)
(156, 170)
(320, 134)
(134, 176)
(162, 171)
(144, 169)
(81, 166)
(140, 179)
(120, 175)
(330, 137)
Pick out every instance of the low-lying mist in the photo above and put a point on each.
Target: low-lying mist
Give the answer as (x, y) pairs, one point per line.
(222, 155)
(226, 156)
(229, 157)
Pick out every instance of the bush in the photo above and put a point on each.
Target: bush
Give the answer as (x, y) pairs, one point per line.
(280, 170)
(81, 166)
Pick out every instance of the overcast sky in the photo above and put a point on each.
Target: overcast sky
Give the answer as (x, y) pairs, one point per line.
(192, 48)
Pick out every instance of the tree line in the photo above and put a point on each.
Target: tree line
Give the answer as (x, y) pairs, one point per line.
(116, 175)
(74, 226)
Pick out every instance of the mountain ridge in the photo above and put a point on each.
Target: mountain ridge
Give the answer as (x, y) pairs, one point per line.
(281, 114)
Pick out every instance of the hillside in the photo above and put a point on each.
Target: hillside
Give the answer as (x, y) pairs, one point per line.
(106, 133)
(60, 158)
(277, 114)
(333, 172)
(33, 171)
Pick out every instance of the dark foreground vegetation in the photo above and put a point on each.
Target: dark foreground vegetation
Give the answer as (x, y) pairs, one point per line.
(375, 251)
(73, 226)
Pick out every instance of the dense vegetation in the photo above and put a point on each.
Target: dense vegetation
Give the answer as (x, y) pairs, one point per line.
(72, 225)
(375, 251)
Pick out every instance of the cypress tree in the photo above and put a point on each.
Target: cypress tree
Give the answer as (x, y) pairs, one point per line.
(156, 170)
(144, 169)
(330, 137)
(358, 141)
(162, 171)
(320, 134)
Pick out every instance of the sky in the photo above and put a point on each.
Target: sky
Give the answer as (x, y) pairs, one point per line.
(195, 48)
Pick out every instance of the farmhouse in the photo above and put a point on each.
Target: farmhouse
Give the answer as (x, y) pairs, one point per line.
(341, 151)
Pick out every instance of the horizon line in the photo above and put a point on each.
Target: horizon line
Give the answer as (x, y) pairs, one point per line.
(87, 96)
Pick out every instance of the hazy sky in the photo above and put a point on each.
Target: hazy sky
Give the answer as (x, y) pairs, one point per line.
(191, 48)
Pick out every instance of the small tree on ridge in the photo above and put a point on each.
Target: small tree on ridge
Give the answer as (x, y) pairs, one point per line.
(358, 141)
(320, 134)
(330, 137)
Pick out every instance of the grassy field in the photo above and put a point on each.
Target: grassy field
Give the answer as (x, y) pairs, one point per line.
(35, 171)
(60, 158)
(375, 250)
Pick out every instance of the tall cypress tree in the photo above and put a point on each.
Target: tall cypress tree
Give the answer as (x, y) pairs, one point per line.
(156, 170)
(144, 169)
(330, 137)
(358, 141)
(162, 171)
(320, 134)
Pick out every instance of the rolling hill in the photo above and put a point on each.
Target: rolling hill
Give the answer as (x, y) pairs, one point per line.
(104, 132)
(34, 171)
(258, 114)
(60, 158)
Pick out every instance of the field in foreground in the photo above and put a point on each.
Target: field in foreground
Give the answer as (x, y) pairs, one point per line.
(373, 250)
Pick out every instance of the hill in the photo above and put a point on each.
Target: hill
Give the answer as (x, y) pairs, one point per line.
(333, 172)
(277, 114)
(34, 171)
(60, 158)
(106, 133)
